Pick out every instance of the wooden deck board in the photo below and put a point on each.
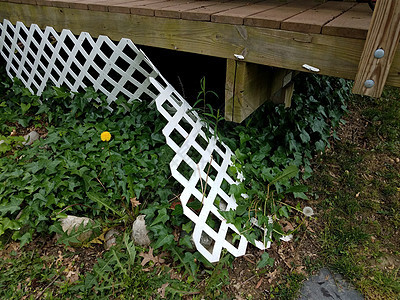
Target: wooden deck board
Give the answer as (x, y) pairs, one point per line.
(353, 23)
(273, 18)
(331, 18)
(125, 6)
(314, 19)
(150, 8)
(204, 13)
(176, 11)
(237, 15)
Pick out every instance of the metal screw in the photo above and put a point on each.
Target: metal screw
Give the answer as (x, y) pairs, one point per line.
(379, 53)
(369, 83)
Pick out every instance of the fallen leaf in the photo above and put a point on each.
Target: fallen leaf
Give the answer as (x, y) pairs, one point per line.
(72, 276)
(249, 260)
(135, 202)
(300, 270)
(259, 283)
(147, 257)
(161, 290)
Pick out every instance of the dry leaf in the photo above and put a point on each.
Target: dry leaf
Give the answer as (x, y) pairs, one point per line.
(259, 283)
(249, 260)
(272, 275)
(135, 202)
(72, 276)
(147, 257)
(300, 270)
(161, 290)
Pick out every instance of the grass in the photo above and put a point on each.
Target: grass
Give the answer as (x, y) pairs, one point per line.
(358, 184)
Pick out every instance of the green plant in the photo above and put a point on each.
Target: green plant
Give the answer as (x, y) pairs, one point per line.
(68, 170)
(210, 117)
(9, 143)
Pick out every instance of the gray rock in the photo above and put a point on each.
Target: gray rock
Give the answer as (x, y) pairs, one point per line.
(140, 234)
(327, 285)
(206, 240)
(71, 223)
(30, 138)
(111, 238)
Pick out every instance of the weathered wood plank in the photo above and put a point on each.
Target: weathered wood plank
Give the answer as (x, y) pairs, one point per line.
(313, 19)
(237, 15)
(334, 56)
(204, 13)
(148, 9)
(175, 11)
(272, 18)
(383, 34)
(246, 89)
(248, 86)
(353, 23)
(126, 6)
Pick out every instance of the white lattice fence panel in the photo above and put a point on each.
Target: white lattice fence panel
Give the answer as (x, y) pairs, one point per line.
(37, 57)
(200, 164)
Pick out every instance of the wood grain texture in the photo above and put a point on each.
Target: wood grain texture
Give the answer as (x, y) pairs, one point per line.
(204, 13)
(334, 56)
(237, 15)
(384, 33)
(176, 10)
(148, 9)
(126, 6)
(246, 89)
(313, 19)
(353, 23)
(273, 18)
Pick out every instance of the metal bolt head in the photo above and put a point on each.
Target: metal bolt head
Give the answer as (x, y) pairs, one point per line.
(379, 53)
(369, 83)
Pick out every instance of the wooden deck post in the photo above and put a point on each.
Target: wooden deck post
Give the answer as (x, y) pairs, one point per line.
(379, 49)
(249, 85)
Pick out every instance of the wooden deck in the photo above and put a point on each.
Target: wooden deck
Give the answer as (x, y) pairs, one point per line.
(278, 33)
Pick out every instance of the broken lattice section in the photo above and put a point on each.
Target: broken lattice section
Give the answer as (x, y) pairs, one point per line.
(201, 162)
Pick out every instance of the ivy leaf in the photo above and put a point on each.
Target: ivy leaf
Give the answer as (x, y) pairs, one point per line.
(186, 241)
(283, 212)
(187, 227)
(286, 174)
(304, 136)
(265, 260)
(25, 107)
(166, 240)
(297, 189)
(98, 199)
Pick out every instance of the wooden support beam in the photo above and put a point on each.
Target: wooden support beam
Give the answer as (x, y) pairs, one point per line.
(248, 86)
(383, 35)
(245, 89)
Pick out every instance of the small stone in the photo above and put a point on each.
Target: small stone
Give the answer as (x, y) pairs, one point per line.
(30, 138)
(397, 159)
(206, 240)
(72, 223)
(140, 234)
(110, 238)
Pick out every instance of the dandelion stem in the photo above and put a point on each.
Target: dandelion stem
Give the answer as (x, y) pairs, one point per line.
(113, 170)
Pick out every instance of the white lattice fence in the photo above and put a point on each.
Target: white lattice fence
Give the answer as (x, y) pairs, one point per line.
(200, 164)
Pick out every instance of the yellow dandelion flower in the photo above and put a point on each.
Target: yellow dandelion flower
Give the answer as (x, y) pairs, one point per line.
(105, 136)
